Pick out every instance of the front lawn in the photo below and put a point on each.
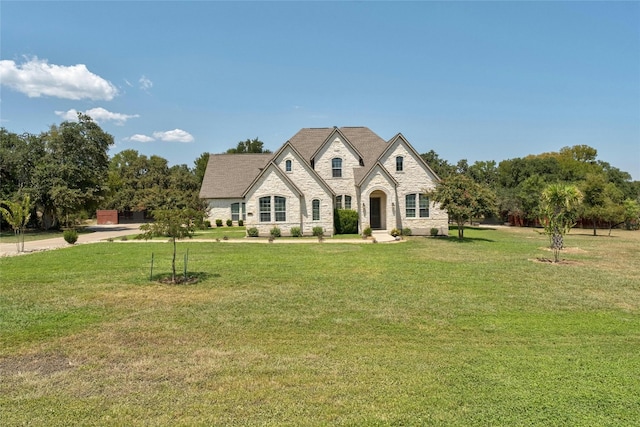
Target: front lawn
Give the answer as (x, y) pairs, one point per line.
(428, 332)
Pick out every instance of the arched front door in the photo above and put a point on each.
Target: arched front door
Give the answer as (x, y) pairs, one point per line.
(377, 210)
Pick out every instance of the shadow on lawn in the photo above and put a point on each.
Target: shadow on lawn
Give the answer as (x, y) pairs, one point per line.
(453, 235)
(191, 278)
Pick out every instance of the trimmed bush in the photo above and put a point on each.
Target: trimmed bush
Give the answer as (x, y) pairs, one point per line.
(252, 232)
(367, 232)
(318, 231)
(240, 223)
(295, 232)
(229, 223)
(218, 223)
(346, 221)
(406, 231)
(207, 224)
(434, 232)
(70, 236)
(395, 232)
(275, 232)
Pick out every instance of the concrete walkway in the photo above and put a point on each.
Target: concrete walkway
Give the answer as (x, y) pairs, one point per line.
(104, 232)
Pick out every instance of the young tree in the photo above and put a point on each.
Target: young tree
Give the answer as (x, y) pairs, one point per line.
(464, 199)
(17, 214)
(559, 207)
(173, 223)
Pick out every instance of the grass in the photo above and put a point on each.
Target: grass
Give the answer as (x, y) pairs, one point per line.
(424, 332)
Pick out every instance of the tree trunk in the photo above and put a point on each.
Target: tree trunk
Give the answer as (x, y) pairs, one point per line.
(461, 229)
(173, 263)
(594, 227)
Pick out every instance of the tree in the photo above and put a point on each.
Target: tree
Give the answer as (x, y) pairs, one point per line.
(248, 146)
(441, 167)
(173, 223)
(17, 214)
(558, 212)
(593, 203)
(464, 199)
(200, 166)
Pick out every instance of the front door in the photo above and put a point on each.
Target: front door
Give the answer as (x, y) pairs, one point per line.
(374, 213)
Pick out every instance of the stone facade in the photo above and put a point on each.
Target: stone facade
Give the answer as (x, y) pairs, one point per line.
(326, 167)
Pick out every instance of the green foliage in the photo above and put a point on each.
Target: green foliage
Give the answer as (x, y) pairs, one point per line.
(464, 199)
(433, 232)
(240, 223)
(200, 166)
(559, 209)
(406, 231)
(207, 224)
(252, 232)
(346, 221)
(275, 232)
(395, 232)
(17, 215)
(229, 223)
(317, 231)
(296, 232)
(248, 146)
(218, 223)
(70, 236)
(173, 223)
(367, 232)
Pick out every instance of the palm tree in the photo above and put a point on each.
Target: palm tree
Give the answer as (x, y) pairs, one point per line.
(558, 211)
(17, 215)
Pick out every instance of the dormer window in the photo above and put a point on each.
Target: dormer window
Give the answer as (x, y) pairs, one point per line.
(336, 167)
(287, 166)
(399, 164)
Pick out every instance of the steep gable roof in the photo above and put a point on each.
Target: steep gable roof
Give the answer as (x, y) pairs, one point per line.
(400, 138)
(229, 175)
(271, 166)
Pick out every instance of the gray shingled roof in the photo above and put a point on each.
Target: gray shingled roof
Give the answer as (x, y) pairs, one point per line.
(228, 175)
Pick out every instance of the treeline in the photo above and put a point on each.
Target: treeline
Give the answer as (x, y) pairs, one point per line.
(67, 174)
(610, 196)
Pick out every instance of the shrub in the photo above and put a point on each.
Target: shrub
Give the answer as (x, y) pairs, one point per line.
(367, 232)
(395, 232)
(229, 223)
(124, 238)
(252, 232)
(434, 232)
(240, 223)
(70, 236)
(346, 221)
(318, 231)
(218, 223)
(275, 232)
(295, 232)
(406, 231)
(207, 224)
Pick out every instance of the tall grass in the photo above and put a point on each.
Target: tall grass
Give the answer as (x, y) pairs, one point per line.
(424, 332)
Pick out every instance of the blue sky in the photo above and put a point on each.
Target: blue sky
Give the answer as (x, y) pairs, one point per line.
(470, 80)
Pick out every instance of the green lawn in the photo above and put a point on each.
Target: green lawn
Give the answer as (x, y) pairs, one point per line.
(424, 332)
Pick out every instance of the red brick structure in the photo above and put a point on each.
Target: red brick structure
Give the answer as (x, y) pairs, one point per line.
(107, 217)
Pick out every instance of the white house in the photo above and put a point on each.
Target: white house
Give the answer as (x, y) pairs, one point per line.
(322, 169)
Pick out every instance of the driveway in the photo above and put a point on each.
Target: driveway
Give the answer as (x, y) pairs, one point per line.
(99, 232)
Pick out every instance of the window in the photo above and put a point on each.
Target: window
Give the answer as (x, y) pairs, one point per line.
(336, 167)
(287, 165)
(338, 202)
(265, 209)
(424, 206)
(399, 164)
(316, 209)
(347, 202)
(410, 205)
(235, 211)
(280, 205)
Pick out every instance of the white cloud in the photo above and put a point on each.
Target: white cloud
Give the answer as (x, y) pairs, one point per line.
(36, 78)
(100, 115)
(140, 138)
(145, 83)
(176, 135)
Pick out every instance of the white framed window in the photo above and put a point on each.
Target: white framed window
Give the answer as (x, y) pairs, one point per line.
(265, 209)
(347, 202)
(399, 164)
(288, 166)
(280, 208)
(336, 167)
(424, 206)
(235, 212)
(315, 207)
(410, 205)
(338, 202)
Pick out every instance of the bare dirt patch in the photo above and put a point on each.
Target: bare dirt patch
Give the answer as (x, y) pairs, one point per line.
(45, 364)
